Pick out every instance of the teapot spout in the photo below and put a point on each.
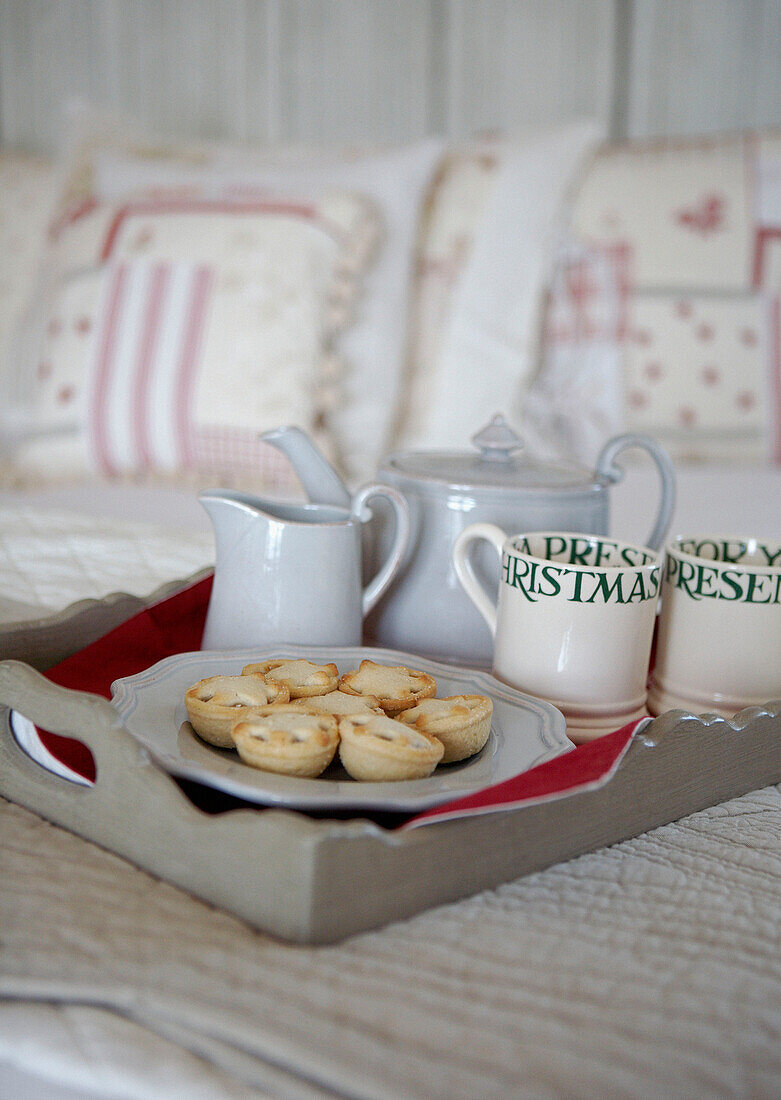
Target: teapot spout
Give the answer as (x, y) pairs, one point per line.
(320, 480)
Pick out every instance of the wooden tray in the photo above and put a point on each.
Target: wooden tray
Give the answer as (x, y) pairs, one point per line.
(49, 639)
(316, 881)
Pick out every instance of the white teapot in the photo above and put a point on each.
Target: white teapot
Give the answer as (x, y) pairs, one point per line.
(426, 610)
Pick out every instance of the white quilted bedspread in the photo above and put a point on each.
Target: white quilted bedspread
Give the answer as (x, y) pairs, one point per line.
(51, 559)
(650, 969)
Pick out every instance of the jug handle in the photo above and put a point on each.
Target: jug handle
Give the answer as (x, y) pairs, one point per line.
(465, 571)
(378, 585)
(608, 470)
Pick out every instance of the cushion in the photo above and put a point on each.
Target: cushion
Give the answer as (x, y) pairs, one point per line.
(28, 188)
(664, 311)
(173, 325)
(359, 407)
(484, 261)
(453, 210)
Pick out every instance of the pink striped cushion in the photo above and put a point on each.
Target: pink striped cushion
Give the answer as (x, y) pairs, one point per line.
(176, 330)
(142, 365)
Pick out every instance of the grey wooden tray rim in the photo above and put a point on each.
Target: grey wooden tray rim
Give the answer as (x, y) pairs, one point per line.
(47, 639)
(317, 881)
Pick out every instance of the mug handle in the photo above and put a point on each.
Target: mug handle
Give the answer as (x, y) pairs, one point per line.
(379, 583)
(608, 470)
(465, 570)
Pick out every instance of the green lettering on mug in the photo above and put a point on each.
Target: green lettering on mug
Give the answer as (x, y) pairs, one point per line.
(770, 557)
(731, 578)
(551, 574)
(577, 595)
(520, 574)
(686, 573)
(733, 552)
(507, 567)
(706, 575)
(581, 557)
(554, 545)
(604, 552)
(639, 592)
(707, 582)
(756, 583)
(607, 590)
(707, 548)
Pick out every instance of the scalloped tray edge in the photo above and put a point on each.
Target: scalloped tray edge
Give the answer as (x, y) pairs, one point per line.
(46, 640)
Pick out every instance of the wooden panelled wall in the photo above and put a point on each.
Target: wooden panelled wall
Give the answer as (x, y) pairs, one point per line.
(346, 70)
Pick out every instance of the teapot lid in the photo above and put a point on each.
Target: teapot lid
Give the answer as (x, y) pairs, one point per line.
(495, 464)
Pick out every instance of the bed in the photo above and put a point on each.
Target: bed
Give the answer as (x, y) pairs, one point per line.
(647, 968)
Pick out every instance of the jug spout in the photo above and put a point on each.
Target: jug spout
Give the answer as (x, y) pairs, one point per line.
(228, 510)
(320, 480)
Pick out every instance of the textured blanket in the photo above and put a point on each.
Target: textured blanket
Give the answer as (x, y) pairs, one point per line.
(648, 969)
(49, 559)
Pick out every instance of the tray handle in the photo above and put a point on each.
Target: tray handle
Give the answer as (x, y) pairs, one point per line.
(78, 714)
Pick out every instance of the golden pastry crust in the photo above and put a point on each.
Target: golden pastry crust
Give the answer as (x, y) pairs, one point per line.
(341, 702)
(394, 686)
(376, 748)
(212, 704)
(286, 738)
(461, 722)
(304, 679)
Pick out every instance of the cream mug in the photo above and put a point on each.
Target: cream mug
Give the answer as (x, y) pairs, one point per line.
(719, 643)
(574, 621)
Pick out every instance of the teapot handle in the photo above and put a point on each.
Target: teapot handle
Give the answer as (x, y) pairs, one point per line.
(378, 585)
(608, 470)
(465, 571)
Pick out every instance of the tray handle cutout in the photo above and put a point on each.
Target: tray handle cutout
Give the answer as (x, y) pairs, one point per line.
(88, 719)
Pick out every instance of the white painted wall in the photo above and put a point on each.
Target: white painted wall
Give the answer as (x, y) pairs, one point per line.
(704, 65)
(366, 70)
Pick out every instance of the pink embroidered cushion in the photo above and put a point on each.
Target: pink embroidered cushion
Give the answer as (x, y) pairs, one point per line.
(665, 313)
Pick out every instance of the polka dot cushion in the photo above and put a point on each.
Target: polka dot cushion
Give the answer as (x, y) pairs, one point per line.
(665, 308)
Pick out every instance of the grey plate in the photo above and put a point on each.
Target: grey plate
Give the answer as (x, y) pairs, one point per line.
(524, 732)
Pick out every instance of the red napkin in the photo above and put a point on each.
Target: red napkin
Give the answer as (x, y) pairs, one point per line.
(175, 625)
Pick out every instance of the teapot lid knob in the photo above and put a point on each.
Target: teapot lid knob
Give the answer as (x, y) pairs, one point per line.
(497, 442)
